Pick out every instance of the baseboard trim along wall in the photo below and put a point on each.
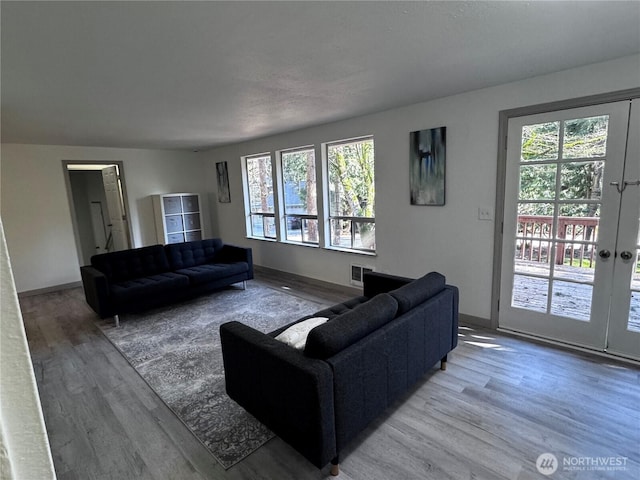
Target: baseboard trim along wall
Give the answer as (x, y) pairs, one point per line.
(569, 347)
(273, 273)
(475, 321)
(55, 288)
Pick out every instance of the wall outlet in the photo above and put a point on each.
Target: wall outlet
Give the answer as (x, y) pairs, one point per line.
(485, 213)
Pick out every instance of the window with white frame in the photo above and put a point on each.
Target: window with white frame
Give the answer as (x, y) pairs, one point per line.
(351, 187)
(259, 179)
(299, 193)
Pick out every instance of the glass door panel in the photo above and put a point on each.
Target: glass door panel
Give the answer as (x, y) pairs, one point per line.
(556, 236)
(562, 213)
(585, 137)
(624, 323)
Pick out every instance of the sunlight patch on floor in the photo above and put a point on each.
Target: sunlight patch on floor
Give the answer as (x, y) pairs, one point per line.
(468, 336)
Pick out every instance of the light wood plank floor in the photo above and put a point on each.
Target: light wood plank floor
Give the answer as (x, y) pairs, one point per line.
(501, 403)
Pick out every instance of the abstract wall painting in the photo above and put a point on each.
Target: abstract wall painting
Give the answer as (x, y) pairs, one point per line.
(427, 166)
(224, 195)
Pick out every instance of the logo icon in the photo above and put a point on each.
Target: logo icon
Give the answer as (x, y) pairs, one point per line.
(547, 464)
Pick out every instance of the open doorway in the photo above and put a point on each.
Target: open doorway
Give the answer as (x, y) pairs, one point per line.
(97, 198)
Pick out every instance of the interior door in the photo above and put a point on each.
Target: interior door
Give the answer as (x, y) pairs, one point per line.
(97, 226)
(115, 206)
(624, 326)
(562, 210)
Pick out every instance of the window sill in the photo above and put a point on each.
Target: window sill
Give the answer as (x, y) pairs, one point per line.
(350, 250)
(300, 244)
(311, 245)
(263, 239)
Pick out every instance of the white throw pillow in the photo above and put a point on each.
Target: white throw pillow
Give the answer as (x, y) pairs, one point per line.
(296, 335)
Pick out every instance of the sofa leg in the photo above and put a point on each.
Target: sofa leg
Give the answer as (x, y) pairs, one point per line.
(443, 363)
(116, 318)
(335, 467)
(244, 284)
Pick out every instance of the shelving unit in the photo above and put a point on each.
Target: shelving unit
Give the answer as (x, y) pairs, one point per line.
(178, 217)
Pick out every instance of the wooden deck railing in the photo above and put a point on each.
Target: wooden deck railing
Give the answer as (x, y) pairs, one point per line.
(579, 234)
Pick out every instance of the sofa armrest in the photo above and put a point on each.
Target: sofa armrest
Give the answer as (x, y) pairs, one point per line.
(96, 291)
(233, 253)
(286, 391)
(375, 283)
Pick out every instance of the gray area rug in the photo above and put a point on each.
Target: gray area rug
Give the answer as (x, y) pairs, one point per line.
(176, 349)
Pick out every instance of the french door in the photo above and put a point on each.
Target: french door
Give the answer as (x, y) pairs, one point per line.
(570, 265)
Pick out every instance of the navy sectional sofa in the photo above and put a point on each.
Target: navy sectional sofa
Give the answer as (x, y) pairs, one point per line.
(142, 278)
(372, 349)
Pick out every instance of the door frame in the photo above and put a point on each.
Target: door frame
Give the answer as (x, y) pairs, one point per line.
(503, 132)
(74, 218)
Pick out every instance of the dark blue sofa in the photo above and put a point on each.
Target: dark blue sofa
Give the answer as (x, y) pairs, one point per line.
(371, 351)
(142, 278)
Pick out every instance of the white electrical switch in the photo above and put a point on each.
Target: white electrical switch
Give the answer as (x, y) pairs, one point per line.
(485, 213)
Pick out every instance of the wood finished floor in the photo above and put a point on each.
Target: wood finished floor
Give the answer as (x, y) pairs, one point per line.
(500, 404)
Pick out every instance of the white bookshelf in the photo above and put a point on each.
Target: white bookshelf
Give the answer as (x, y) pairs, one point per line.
(178, 217)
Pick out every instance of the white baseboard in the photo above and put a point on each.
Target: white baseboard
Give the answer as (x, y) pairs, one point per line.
(465, 319)
(55, 288)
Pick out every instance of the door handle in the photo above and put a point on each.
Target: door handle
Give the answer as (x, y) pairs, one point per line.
(604, 253)
(625, 184)
(617, 185)
(626, 255)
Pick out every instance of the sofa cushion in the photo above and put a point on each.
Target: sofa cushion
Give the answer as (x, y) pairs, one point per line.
(417, 291)
(134, 263)
(341, 308)
(190, 254)
(296, 335)
(345, 329)
(152, 285)
(199, 274)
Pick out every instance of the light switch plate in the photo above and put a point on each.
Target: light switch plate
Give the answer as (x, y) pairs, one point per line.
(485, 213)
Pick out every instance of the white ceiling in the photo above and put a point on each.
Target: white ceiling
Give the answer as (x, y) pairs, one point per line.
(202, 74)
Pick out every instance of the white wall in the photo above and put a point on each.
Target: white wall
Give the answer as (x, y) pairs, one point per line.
(36, 212)
(24, 445)
(413, 240)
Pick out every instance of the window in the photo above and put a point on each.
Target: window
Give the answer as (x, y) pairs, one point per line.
(283, 198)
(300, 208)
(352, 194)
(260, 188)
